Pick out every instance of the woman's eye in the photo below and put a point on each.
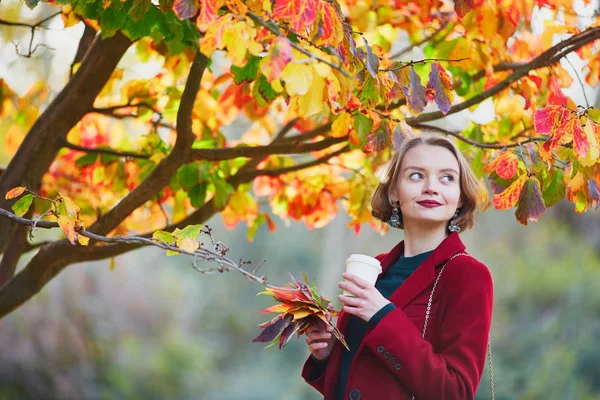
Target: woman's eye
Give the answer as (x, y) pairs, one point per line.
(448, 178)
(415, 175)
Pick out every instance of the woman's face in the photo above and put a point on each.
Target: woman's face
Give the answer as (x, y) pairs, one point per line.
(428, 186)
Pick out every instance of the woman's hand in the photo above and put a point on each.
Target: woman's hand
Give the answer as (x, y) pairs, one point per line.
(320, 343)
(368, 299)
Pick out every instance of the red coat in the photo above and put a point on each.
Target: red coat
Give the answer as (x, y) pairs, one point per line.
(394, 361)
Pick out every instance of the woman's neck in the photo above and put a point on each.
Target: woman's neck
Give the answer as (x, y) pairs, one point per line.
(419, 240)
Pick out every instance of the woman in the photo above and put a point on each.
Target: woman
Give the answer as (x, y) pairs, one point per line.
(431, 193)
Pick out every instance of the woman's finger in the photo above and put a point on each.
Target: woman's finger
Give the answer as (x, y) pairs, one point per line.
(350, 301)
(357, 280)
(315, 336)
(351, 287)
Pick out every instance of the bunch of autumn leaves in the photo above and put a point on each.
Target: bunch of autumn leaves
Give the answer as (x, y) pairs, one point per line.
(300, 306)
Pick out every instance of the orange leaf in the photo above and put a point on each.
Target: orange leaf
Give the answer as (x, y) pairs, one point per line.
(83, 240)
(505, 165)
(300, 14)
(531, 204)
(278, 308)
(15, 192)
(209, 13)
(280, 55)
(68, 227)
(508, 198)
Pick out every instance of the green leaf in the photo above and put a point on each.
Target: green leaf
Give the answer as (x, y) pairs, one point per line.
(85, 160)
(188, 176)
(164, 236)
(263, 91)
(248, 72)
(477, 163)
(143, 27)
(112, 19)
(555, 191)
(23, 204)
(204, 144)
(368, 94)
(222, 192)
(139, 9)
(362, 124)
(197, 195)
(189, 232)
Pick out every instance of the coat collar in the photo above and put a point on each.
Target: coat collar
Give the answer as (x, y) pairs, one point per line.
(425, 274)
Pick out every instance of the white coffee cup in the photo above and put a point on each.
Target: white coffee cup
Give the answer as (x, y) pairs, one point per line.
(365, 267)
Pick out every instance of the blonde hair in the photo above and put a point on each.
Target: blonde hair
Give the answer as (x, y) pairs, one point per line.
(472, 192)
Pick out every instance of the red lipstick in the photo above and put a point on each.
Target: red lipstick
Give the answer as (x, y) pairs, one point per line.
(429, 203)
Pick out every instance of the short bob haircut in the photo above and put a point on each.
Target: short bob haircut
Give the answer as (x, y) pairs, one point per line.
(472, 192)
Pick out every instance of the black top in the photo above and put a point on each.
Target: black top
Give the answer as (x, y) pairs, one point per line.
(357, 327)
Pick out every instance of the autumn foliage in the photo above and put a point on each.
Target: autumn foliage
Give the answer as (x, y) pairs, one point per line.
(324, 94)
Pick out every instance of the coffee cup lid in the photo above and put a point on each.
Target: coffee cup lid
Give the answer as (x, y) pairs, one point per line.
(365, 259)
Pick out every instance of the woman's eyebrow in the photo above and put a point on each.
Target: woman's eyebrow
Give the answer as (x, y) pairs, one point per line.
(423, 169)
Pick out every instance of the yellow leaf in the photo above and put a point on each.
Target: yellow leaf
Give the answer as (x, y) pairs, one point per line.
(157, 157)
(111, 266)
(592, 157)
(15, 192)
(297, 78)
(342, 125)
(68, 227)
(188, 244)
(83, 240)
(312, 102)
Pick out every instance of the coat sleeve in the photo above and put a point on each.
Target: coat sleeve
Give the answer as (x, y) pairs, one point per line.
(313, 373)
(455, 369)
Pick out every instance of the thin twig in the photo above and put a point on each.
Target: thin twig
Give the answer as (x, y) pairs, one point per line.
(587, 103)
(423, 61)
(296, 46)
(216, 255)
(475, 143)
(100, 150)
(33, 27)
(426, 39)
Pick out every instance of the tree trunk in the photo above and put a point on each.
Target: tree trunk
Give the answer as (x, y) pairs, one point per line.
(44, 140)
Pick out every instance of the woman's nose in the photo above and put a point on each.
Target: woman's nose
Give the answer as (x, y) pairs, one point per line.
(429, 188)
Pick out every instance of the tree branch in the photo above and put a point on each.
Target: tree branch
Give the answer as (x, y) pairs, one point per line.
(250, 175)
(478, 144)
(100, 150)
(548, 57)
(163, 172)
(110, 112)
(229, 153)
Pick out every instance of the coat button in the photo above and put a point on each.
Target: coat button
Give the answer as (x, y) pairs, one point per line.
(386, 355)
(392, 360)
(380, 349)
(354, 394)
(398, 366)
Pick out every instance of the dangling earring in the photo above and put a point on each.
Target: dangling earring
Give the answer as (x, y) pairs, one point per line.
(453, 227)
(394, 221)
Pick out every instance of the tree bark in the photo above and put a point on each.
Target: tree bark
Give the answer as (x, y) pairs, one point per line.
(44, 140)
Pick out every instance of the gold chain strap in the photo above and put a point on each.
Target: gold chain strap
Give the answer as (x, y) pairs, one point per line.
(427, 320)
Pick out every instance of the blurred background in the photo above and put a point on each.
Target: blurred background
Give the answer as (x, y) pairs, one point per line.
(147, 326)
